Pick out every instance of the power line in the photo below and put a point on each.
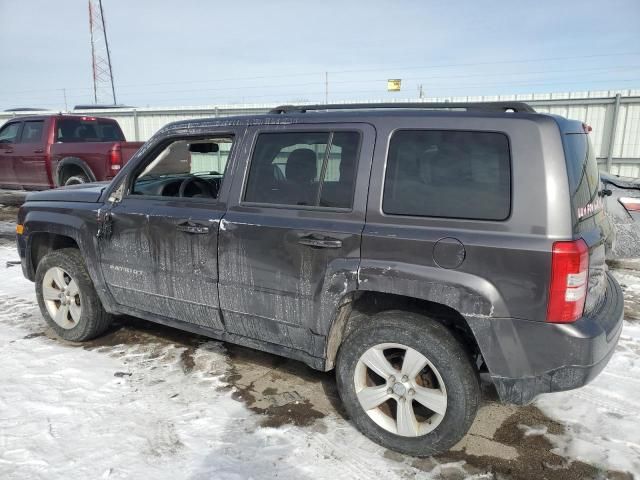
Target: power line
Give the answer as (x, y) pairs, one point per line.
(594, 70)
(339, 72)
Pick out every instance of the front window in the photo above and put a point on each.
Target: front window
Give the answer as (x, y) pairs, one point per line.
(9, 133)
(186, 168)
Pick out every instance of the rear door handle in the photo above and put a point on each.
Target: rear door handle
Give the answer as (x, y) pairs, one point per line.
(38, 150)
(320, 242)
(190, 227)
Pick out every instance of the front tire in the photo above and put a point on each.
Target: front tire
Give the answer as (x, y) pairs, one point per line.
(67, 298)
(407, 383)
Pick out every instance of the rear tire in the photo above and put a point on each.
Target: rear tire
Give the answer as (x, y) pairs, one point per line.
(76, 180)
(422, 394)
(67, 298)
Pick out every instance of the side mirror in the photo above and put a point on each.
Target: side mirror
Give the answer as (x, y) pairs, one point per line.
(208, 147)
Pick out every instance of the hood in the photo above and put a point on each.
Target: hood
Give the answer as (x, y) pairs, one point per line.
(84, 192)
(621, 182)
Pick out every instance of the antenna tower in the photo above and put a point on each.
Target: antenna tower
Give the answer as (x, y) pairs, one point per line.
(103, 87)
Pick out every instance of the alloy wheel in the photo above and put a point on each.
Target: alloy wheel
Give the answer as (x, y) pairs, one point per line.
(400, 389)
(62, 297)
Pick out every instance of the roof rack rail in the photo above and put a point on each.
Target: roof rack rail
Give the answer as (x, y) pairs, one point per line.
(473, 106)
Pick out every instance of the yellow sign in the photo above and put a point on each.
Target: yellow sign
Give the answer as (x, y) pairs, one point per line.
(393, 85)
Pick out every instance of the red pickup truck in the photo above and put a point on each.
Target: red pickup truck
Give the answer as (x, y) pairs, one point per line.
(41, 152)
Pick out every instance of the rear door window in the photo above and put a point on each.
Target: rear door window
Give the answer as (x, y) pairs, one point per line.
(32, 132)
(87, 129)
(315, 169)
(453, 174)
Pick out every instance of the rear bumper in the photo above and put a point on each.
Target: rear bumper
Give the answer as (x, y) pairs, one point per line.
(527, 358)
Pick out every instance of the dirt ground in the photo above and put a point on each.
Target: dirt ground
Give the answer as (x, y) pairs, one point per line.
(8, 213)
(504, 441)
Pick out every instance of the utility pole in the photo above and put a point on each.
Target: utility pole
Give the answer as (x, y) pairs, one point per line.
(100, 54)
(326, 87)
(420, 92)
(64, 94)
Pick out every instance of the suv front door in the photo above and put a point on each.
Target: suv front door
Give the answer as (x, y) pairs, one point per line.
(161, 254)
(9, 135)
(289, 245)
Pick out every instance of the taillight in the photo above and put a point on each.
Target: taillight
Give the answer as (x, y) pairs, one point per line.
(115, 159)
(630, 203)
(569, 280)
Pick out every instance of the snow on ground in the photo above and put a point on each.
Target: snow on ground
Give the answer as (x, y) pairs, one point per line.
(67, 412)
(134, 410)
(601, 418)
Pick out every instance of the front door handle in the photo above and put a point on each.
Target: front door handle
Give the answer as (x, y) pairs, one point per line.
(189, 227)
(38, 150)
(320, 242)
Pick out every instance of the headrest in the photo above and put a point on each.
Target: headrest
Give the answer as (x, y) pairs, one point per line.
(301, 166)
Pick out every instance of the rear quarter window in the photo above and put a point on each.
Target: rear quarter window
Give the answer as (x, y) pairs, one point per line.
(582, 170)
(453, 174)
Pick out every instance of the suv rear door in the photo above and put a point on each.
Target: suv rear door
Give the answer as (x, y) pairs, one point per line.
(289, 244)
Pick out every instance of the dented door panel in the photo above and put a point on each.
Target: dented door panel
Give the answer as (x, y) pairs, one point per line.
(285, 269)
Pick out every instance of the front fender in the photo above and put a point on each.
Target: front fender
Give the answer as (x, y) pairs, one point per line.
(72, 220)
(468, 294)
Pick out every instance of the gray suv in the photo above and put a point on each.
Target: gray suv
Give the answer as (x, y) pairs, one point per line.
(408, 247)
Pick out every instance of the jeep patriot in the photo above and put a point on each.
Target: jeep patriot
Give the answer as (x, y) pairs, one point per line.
(408, 247)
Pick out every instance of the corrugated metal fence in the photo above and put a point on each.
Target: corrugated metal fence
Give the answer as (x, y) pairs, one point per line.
(614, 116)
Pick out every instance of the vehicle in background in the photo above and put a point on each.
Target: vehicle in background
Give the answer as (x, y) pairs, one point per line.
(623, 210)
(100, 107)
(47, 151)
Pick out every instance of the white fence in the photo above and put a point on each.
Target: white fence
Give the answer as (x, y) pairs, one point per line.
(613, 115)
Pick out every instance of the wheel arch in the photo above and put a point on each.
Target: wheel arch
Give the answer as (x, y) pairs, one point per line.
(356, 310)
(46, 231)
(43, 243)
(72, 164)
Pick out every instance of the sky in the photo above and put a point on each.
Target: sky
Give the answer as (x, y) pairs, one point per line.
(197, 52)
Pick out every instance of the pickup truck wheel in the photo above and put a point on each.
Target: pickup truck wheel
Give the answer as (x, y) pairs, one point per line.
(407, 383)
(67, 297)
(76, 180)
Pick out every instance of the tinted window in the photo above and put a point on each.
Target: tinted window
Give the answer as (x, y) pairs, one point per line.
(32, 132)
(304, 168)
(453, 174)
(9, 132)
(87, 129)
(583, 174)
